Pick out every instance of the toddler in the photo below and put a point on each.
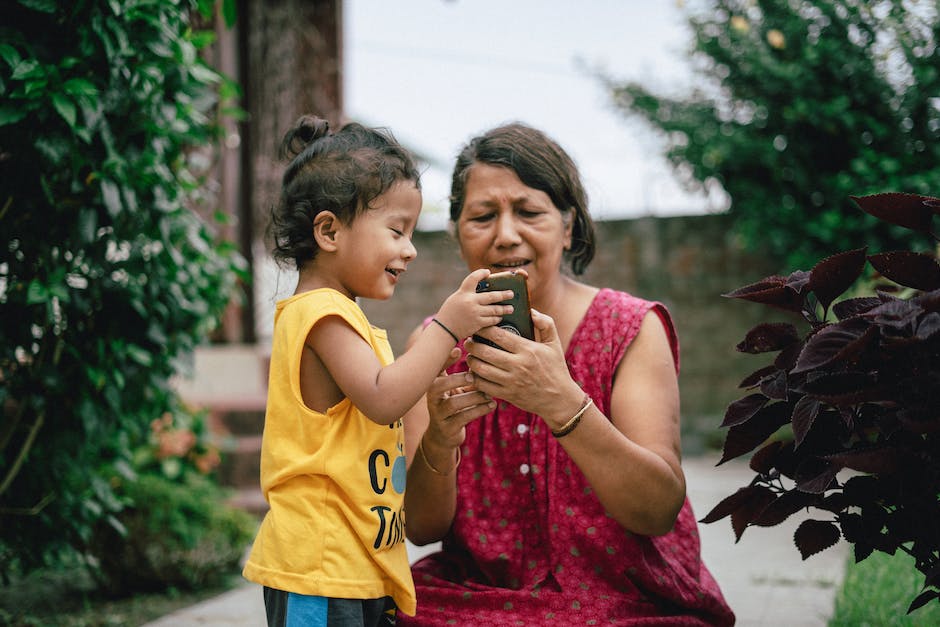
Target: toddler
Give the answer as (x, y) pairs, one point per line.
(330, 549)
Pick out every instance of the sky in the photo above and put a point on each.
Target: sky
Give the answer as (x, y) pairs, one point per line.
(438, 72)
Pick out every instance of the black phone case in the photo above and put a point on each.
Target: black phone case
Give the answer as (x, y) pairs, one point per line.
(520, 320)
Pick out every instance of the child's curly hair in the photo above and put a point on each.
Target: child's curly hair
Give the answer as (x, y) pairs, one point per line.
(342, 172)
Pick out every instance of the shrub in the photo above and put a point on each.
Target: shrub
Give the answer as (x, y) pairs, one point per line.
(175, 528)
(796, 104)
(861, 394)
(175, 534)
(107, 275)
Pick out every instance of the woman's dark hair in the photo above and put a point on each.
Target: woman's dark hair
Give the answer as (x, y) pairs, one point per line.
(541, 164)
(342, 172)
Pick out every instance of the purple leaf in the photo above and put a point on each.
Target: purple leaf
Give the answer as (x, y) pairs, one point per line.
(843, 388)
(770, 291)
(910, 269)
(798, 280)
(786, 359)
(833, 275)
(854, 306)
(928, 326)
(750, 510)
(835, 503)
(922, 599)
(839, 342)
(783, 507)
(741, 410)
(765, 460)
(895, 314)
(873, 461)
(933, 576)
(813, 536)
(804, 413)
(745, 437)
(815, 475)
(729, 504)
(908, 210)
(767, 337)
(755, 377)
(775, 386)
(929, 301)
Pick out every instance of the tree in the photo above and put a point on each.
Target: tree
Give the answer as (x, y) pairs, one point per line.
(802, 104)
(107, 275)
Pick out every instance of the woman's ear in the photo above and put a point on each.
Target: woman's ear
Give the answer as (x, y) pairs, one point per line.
(568, 220)
(325, 225)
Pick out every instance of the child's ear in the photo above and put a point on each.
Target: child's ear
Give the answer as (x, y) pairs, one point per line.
(325, 225)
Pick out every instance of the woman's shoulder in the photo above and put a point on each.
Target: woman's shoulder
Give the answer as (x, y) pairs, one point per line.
(609, 299)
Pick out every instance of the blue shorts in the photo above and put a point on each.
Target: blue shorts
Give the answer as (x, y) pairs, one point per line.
(289, 609)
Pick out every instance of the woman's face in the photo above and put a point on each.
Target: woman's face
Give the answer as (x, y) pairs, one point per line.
(506, 225)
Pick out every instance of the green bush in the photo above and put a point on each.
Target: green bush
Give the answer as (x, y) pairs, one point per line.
(107, 274)
(178, 534)
(798, 105)
(175, 529)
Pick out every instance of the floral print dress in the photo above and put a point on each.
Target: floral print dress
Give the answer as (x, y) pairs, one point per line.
(532, 545)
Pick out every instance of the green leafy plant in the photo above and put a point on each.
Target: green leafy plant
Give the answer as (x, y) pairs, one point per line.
(107, 274)
(860, 394)
(798, 104)
(174, 529)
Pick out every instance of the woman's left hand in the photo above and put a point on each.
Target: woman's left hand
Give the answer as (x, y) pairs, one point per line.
(531, 375)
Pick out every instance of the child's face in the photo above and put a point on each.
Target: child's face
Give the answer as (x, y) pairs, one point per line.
(377, 247)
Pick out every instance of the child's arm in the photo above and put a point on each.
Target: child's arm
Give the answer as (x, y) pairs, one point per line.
(384, 394)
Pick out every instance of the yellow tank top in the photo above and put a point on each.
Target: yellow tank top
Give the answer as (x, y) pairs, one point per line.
(334, 482)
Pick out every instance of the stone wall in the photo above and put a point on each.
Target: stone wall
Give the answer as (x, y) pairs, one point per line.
(684, 262)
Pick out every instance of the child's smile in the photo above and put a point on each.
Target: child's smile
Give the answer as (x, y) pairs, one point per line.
(374, 251)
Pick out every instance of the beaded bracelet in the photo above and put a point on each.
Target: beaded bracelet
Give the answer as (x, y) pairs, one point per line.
(569, 426)
(428, 463)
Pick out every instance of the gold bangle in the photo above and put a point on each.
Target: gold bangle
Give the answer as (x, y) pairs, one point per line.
(427, 462)
(569, 426)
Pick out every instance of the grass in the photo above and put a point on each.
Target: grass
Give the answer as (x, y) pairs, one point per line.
(67, 598)
(877, 591)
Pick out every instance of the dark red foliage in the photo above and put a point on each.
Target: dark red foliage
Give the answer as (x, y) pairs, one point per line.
(860, 395)
(908, 210)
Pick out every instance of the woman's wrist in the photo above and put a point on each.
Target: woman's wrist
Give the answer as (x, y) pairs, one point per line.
(572, 423)
(442, 465)
(566, 408)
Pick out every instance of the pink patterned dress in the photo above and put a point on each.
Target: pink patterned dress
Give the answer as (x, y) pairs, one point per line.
(532, 545)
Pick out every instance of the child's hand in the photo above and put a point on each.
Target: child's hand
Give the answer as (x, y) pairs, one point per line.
(466, 311)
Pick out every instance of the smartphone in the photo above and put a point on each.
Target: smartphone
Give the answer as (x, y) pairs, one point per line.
(520, 320)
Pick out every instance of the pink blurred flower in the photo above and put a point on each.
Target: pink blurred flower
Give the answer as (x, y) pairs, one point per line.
(175, 443)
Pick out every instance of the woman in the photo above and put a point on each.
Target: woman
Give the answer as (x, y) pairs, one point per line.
(551, 470)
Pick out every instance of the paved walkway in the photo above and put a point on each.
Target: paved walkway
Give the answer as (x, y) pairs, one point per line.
(763, 577)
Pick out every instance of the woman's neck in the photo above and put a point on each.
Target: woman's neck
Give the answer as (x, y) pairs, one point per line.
(566, 301)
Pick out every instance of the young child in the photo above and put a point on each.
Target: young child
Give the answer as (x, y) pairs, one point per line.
(331, 548)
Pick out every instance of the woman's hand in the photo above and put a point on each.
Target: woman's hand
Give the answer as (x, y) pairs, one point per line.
(631, 457)
(453, 402)
(434, 430)
(531, 375)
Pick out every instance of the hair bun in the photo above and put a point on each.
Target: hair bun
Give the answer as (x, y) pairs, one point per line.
(306, 130)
